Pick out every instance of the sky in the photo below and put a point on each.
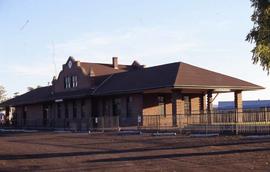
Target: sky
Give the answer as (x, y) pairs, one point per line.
(37, 37)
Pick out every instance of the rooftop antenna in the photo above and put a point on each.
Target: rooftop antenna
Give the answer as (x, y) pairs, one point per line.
(53, 57)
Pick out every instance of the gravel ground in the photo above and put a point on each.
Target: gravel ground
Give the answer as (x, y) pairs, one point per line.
(49, 151)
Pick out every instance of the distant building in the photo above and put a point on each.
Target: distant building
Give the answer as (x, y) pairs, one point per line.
(249, 104)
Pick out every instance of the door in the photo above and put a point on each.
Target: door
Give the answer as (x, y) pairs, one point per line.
(45, 115)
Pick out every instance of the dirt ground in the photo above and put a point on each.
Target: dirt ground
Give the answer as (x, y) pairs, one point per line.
(49, 151)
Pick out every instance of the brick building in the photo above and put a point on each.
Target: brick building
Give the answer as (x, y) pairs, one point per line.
(84, 91)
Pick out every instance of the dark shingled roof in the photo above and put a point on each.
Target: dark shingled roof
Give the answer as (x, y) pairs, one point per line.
(35, 96)
(112, 81)
(140, 79)
(174, 75)
(72, 94)
(189, 75)
(44, 94)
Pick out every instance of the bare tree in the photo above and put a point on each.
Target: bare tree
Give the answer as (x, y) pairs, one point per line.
(3, 94)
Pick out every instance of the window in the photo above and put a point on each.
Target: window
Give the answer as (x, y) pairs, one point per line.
(74, 81)
(70, 82)
(116, 107)
(82, 109)
(58, 110)
(66, 110)
(187, 105)
(161, 106)
(67, 82)
(74, 109)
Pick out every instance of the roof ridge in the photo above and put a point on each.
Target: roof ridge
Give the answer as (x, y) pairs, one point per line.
(103, 63)
(178, 73)
(103, 82)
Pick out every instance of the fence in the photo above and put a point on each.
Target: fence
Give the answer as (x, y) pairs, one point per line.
(246, 122)
(254, 121)
(103, 123)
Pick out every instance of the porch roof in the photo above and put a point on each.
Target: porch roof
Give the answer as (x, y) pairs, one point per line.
(174, 75)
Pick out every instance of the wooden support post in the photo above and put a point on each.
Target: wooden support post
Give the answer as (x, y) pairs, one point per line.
(209, 106)
(176, 106)
(203, 103)
(203, 108)
(7, 115)
(238, 104)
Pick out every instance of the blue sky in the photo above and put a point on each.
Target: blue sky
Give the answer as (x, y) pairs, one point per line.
(210, 34)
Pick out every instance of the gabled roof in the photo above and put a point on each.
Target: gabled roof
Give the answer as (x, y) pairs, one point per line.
(173, 75)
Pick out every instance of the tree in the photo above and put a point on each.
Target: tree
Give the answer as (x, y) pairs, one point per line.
(260, 33)
(3, 94)
(30, 88)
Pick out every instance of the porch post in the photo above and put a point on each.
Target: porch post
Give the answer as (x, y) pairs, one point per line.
(176, 100)
(203, 106)
(7, 115)
(238, 104)
(209, 106)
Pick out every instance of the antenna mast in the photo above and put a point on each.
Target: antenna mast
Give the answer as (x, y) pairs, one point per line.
(53, 57)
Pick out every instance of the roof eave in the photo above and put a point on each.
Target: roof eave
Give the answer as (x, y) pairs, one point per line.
(243, 88)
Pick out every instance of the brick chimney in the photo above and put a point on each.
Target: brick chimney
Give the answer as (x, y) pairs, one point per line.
(115, 62)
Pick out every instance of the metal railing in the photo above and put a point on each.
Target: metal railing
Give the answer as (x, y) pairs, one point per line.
(252, 121)
(230, 121)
